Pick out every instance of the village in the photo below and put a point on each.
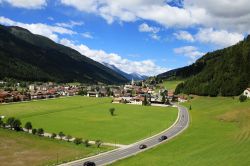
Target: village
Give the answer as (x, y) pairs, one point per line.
(135, 92)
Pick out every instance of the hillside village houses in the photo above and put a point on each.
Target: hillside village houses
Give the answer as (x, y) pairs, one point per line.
(247, 92)
(132, 93)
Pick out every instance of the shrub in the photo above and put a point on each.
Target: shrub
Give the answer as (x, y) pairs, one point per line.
(1, 122)
(68, 137)
(34, 131)
(242, 98)
(40, 131)
(98, 143)
(61, 134)
(53, 135)
(10, 122)
(28, 126)
(86, 143)
(17, 125)
(77, 141)
(112, 111)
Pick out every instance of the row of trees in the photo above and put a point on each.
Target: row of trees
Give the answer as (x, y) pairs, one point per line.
(12, 123)
(15, 124)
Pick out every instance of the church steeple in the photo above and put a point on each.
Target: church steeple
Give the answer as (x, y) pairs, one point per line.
(132, 82)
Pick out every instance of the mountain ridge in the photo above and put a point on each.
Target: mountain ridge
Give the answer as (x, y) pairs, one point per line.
(29, 57)
(223, 72)
(135, 76)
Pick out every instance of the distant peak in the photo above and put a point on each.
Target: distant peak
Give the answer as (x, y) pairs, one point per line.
(19, 29)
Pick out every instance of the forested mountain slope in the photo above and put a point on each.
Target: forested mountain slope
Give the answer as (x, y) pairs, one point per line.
(224, 72)
(29, 57)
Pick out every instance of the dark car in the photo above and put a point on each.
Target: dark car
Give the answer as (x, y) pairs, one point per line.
(89, 163)
(162, 138)
(142, 146)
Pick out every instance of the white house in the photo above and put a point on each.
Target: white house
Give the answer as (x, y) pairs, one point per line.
(247, 92)
(32, 87)
(93, 94)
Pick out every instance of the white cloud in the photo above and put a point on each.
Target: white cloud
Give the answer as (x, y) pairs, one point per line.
(184, 35)
(150, 29)
(28, 4)
(189, 51)
(145, 67)
(155, 36)
(39, 28)
(87, 35)
(86, 5)
(224, 14)
(70, 24)
(129, 11)
(146, 28)
(231, 8)
(221, 37)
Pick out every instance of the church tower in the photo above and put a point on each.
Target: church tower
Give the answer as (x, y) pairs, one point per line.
(132, 82)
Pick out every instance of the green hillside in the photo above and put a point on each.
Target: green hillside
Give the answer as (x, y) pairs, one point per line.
(29, 57)
(224, 72)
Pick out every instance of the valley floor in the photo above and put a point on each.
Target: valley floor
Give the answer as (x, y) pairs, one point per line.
(89, 118)
(219, 134)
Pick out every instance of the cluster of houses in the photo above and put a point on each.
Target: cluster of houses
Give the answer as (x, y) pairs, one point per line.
(44, 91)
(130, 93)
(133, 94)
(13, 96)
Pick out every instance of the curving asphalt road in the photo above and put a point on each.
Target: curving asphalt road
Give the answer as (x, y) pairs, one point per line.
(179, 126)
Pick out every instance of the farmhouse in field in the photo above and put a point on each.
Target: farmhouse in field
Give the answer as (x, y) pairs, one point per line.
(247, 92)
(93, 94)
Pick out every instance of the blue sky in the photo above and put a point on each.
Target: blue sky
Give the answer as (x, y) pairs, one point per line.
(143, 36)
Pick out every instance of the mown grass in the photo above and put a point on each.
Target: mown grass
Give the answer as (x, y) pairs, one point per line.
(90, 118)
(23, 149)
(219, 134)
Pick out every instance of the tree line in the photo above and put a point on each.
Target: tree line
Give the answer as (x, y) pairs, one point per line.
(13, 123)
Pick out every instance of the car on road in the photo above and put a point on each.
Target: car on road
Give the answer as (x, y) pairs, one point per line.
(142, 146)
(89, 163)
(162, 138)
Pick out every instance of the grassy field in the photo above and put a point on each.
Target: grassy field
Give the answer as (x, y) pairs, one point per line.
(219, 135)
(169, 85)
(23, 149)
(89, 118)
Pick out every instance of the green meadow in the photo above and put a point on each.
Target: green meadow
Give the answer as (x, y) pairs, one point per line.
(219, 134)
(168, 84)
(90, 118)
